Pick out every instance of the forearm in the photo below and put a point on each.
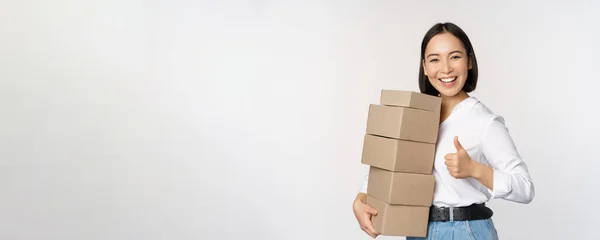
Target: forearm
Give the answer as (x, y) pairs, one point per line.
(363, 187)
(511, 186)
(484, 174)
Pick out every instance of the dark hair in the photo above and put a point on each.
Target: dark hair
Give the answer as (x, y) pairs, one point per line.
(471, 83)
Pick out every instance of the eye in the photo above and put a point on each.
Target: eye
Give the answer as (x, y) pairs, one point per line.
(455, 57)
(433, 60)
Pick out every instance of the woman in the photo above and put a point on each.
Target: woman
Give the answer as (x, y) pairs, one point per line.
(475, 160)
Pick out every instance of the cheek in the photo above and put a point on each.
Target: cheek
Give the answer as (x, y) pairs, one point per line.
(461, 67)
(432, 79)
(430, 71)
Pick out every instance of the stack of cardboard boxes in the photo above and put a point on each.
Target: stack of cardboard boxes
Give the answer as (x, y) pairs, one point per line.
(399, 147)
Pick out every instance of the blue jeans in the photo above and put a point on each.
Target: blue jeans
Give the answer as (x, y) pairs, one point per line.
(460, 230)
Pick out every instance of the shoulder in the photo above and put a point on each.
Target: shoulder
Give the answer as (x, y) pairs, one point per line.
(484, 117)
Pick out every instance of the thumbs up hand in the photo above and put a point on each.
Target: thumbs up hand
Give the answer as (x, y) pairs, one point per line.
(460, 164)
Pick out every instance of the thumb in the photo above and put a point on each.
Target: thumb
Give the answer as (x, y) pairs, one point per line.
(457, 144)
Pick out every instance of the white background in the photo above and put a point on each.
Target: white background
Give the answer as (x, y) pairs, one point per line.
(125, 119)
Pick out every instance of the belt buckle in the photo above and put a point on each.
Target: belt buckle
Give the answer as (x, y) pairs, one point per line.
(448, 213)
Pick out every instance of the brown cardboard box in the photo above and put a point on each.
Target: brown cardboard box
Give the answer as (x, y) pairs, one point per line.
(399, 146)
(403, 123)
(401, 98)
(401, 188)
(398, 155)
(399, 220)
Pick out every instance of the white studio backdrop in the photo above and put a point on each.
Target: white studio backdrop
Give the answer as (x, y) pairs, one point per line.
(244, 120)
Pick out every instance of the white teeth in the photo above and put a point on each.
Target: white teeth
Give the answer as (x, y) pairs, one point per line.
(447, 80)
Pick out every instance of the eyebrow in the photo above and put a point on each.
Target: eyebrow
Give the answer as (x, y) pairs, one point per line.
(436, 54)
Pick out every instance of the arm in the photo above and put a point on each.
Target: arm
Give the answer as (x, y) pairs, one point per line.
(363, 211)
(508, 177)
(363, 188)
(483, 174)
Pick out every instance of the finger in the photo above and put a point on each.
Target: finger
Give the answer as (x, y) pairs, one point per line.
(367, 231)
(451, 163)
(456, 174)
(371, 230)
(449, 156)
(457, 144)
(371, 210)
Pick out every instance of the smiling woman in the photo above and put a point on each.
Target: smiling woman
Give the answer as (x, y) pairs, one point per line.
(446, 51)
(449, 65)
(483, 165)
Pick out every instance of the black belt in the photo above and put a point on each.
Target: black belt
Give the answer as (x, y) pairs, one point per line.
(472, 212)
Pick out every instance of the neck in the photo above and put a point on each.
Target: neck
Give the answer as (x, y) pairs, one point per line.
(448, 103)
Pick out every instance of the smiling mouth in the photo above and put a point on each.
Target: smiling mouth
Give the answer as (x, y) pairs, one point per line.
(448, 80)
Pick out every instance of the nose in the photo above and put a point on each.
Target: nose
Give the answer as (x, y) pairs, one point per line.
(446, 68)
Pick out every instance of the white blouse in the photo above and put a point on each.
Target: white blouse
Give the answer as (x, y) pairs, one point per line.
(487, 140)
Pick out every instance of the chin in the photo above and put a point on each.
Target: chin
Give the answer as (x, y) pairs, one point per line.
(448, 92)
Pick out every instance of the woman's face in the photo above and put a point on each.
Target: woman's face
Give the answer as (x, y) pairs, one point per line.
(446, 64)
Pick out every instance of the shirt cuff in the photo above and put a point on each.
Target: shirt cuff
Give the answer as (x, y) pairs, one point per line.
(502, 184)
(363, 188)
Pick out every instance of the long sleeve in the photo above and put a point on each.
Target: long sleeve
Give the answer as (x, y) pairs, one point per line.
(363, 188)
(512, 180)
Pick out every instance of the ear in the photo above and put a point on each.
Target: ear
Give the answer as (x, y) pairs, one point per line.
(470, 62)
(424, 68)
